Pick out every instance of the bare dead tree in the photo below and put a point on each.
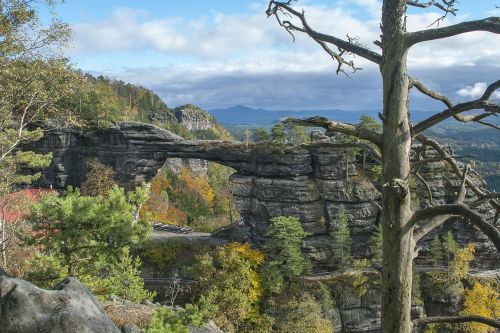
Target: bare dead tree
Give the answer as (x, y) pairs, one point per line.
(174, 288)
(402, 226)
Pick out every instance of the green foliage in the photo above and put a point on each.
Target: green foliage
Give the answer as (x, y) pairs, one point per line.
(281, 135)
(165, 320)
(283, 252)
(120, 278)
(303, 314)
(230, 287)
(261, 135)
(99, 180)
(278, 135)
(369, 122)
(33, 77)
(272, 278)
(443, 251)
(450, 248)
(341, 246)
(296, 135)
(86, 236)
(22, 32)
(376, 245)
(101, 101)
(30, 90)
(173, 254)
(416, 290)
(436, 251)
(376, 172)
(447, 284)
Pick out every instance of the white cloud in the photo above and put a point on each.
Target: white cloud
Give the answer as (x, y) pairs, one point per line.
(476, 91)
(226, 59)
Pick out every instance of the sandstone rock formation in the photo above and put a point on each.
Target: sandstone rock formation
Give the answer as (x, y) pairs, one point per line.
(310, 182)
(193, 118)
(68, 308)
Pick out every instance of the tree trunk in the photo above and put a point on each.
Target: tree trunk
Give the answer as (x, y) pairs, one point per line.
(4, 245)
(397, 246)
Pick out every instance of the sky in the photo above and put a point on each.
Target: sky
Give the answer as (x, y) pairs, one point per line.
(220, 53)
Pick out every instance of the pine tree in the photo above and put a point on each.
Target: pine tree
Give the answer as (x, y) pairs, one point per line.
(282, 247)
(78, 232)
(450, 247)
(261, 135)
(376, 245)
(342, 256)
(436, 251)
(296, 135)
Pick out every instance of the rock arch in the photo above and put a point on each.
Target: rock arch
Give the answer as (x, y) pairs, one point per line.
(308, 181)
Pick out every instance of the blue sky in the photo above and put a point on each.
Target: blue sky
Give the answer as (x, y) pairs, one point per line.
(218, 53)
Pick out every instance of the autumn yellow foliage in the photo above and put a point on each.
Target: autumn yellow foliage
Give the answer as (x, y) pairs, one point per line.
(482, 300)
(460, 263)
(255, 258)
(198, 184)
(157, 203)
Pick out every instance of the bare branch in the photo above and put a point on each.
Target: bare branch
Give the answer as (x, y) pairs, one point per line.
(490, 24)
(491, 108)
(461, 210)
(338, 57)
(440, 219)
(426, 184)
(277, 7)
(447, 6)
(483, 199)
(329, 276)
(336, 126)
(455, 168)
(439, 159)
(456, 320)
(429, 92)
(455, 110)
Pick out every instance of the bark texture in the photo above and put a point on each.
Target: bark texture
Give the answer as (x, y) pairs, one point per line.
(397, 245)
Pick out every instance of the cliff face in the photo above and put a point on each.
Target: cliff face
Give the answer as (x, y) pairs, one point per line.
(193, 118)
(310, 182)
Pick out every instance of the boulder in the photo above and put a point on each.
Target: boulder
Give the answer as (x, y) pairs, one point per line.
(129, 328)
(67, 308)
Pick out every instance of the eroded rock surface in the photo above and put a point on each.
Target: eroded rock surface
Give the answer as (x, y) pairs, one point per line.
(310, 182)
(68, 308)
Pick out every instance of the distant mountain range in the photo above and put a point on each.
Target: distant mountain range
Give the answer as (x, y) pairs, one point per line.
(242, 115)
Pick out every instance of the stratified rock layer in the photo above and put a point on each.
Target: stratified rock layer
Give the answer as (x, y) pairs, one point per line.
(310, 182)
(68, 308)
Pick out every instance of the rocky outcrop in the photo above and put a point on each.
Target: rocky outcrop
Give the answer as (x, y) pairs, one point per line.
(194, 119)
(310, 182)
(68, 308)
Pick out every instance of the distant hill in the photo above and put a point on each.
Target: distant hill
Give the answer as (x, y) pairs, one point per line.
(102, 101)
(242, 115)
